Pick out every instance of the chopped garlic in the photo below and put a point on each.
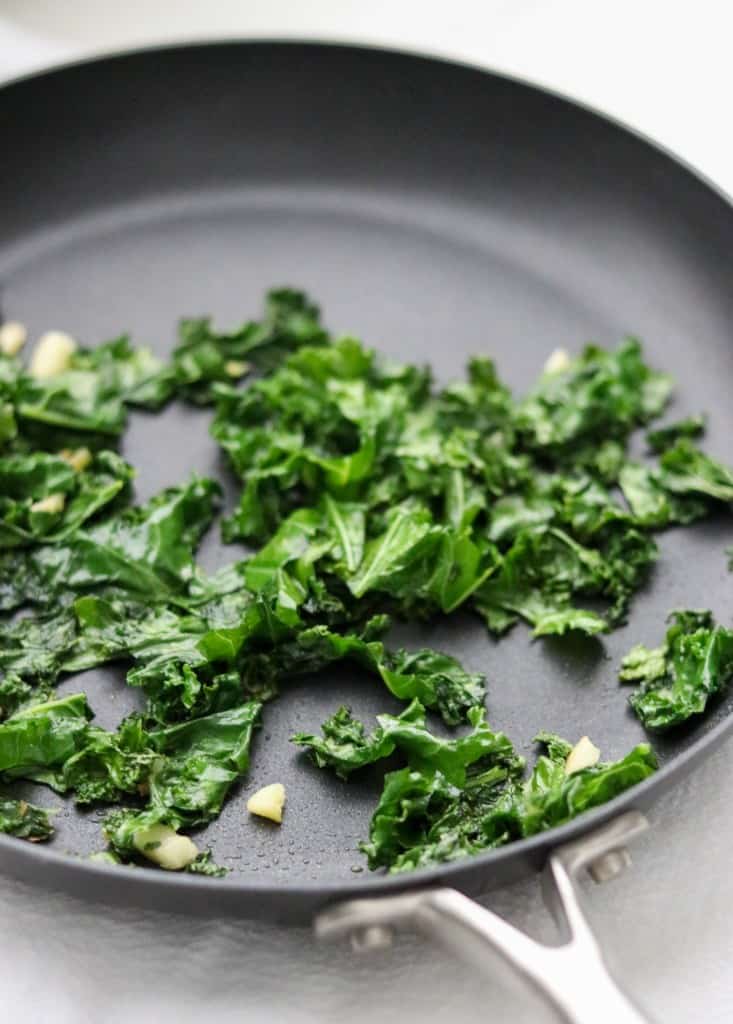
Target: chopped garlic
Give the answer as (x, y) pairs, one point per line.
(52, 354)
(13, 337)
(558, 361)
(583, 755)
(165, 847)
(236, 368)
(78, 458)
(268, 802)
(53, 504)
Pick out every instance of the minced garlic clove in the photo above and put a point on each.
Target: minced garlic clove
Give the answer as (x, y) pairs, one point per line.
(165, 847)
(268, 802)
(52, 504)
(52, 354)
(13, 336)
(236, 368)
(558, 362)
(583, 755)
(78, 458)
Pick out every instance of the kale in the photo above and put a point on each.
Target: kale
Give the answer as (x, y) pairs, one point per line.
(369, 494)
(652, 503)
(24, 820)
(204, 865)
(187, 784)
(552, 795)
(459, 796)
(205, 357)
(145, 550)
(33, 651)
(380, 489)
(86, 402)
(184, 771)
(345, 747)
(45, 498)
(678, 679)
(599, 396)
(422, 820)
(38, 739)
(685, 470)
(662, 438)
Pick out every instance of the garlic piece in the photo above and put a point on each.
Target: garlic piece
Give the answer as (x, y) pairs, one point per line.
(13, 336)
(558, 361)
(165, 847)
(236, 368)
(583, 755)
(78, 458)
(52, 354)
(268, 802)
(52, 503)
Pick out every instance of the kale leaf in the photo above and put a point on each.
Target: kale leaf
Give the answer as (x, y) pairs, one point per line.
(678, 679)
(459, 796)
(368, 493)
(45, 498)
(599, 396)
(662, 438)
(205, 357)
(24, 820)
(86, 403)
(359, 474)
(345, 747)
(146, 550)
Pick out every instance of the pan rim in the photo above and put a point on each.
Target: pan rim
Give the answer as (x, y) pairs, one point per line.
(21, 859)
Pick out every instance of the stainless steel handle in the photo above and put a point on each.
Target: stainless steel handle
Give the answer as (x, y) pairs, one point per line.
(573, 976)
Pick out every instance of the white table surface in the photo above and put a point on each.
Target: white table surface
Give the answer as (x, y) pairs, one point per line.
(664, 68)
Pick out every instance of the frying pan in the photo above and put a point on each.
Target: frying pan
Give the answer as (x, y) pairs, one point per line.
(437, 211)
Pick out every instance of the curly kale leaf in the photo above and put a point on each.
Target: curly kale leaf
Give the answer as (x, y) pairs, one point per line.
(536, 581)
(43, 736)
(109, 628)
(457, 797)
(423, 503)
(198, 762)
(685, 470)
(87, 402)
(345, 747)
(266, 650)
(552, 796)
(204, 865)
(653, 504)
(25, 821)
(205, 357)
(184, 771)
(599, 396)
(662, 438)
(45, 498)
(35, 648)
(147, 551)
(679, 678)
(328, 420)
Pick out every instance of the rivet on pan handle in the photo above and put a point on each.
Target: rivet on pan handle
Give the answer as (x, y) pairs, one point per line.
(572, 976)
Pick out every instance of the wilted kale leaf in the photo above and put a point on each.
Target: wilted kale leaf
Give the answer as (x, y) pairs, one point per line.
(367, 492)
(694, 663)
(460, 796)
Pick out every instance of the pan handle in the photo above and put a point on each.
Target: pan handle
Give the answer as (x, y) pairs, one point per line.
(572, 976)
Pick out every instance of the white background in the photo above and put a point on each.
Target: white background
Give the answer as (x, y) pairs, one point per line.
(665, 68)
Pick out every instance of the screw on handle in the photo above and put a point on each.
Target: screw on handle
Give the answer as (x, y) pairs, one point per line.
(573, 976)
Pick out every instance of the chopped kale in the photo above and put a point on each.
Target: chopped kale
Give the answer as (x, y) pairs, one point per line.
(678, 679)
(368, 494)
(459, 796)
(25, 821)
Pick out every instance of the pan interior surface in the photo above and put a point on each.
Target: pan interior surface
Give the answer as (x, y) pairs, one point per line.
(433, 210)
